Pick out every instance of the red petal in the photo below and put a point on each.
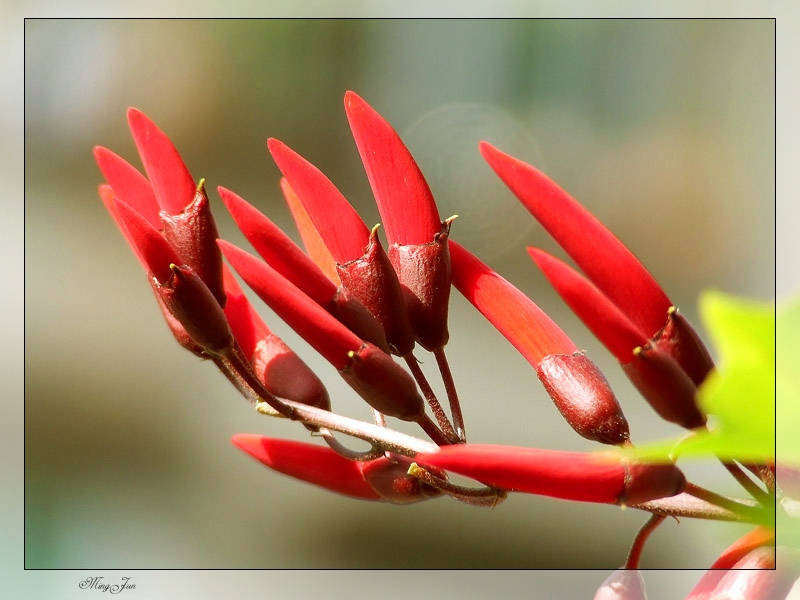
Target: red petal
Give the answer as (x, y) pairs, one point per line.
(129, 185)
(155, 252)
(606, 321)
(313, 464)
(584, 477)
(316, 248)
(514, 315)
(604, 259)
(280, 252)
(336, 221)
(407, 207)
(172, 182)
(329, 337)
(247, 325)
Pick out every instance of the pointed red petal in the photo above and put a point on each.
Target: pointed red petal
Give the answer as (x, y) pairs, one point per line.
(585, 477)
(514, 315)
(604, 318)
(247, 325)
(171, 180)
(407, 207)
(316, 248)
(329, 337)
(155, 252)
(129, 184)
(605, 260)
(336, 221)
(313, 464)
(275, 247)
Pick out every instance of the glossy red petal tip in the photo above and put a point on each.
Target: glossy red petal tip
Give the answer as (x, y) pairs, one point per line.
(129, 184)
(407, 207)
(172, 183)
(317, 465)
(345, 235)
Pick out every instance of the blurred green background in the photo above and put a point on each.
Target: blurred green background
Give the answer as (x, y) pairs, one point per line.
(665, 129)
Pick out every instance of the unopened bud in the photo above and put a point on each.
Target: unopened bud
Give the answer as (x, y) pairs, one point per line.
(192, 304)
(384, 384)
(390, 479)
(622, 584)
(582, 395)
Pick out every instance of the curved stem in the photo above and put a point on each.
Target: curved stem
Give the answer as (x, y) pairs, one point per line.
(691, 507)
(371, 454)
(483, 496)
(713, 498)
(747, 483)
(638, 542)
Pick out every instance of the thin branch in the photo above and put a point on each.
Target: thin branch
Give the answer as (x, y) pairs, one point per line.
(452, 394)
(430, 396)
(638, 542)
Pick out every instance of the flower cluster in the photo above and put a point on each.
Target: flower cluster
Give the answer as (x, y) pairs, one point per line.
(370, 309)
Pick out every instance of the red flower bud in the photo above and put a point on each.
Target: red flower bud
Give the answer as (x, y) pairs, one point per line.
(372, 279)
(665, 386)
(582, 395)
(384, 384)
(318, 465)
(192, 304)
(578, 389)
(586, 477)
(390, 479)
(679, 340)
(424, 273)
(193, 234)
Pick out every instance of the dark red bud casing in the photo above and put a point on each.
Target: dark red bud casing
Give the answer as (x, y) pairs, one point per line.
(679, 340)
(372, 279)
(582, 395)
(193, 234)
(665, 386)
(424, 273)
(384, 384)
(351, 313)
(192, 304)
(390, 479)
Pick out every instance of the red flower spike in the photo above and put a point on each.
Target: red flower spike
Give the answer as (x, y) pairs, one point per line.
(372, 279)
(514, 315)
(583, 397)
(345, 235)
(172, 183)
(605, 320)
(424, 273)
(318, 465)
(605, 260)
(585, 477)
(129, 184)
(665, 386)
(390, 479)
(190, 301)
(193, 234)
(328, 337)
(153, 250)
(383, 383)
(283, 255)
(404, 199)
(316, 248)
(679, 340)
